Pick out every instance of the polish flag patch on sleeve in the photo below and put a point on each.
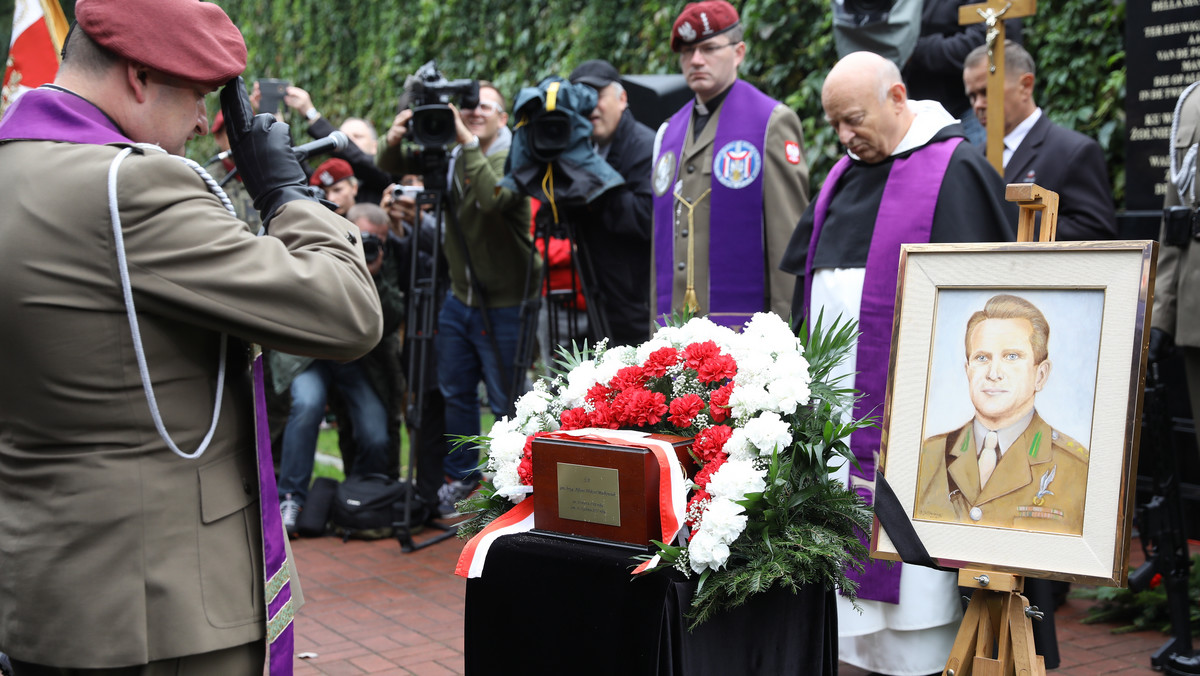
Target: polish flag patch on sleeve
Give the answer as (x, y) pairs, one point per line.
(792, 150)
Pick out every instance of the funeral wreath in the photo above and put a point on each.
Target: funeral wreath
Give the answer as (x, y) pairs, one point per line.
(769, 423)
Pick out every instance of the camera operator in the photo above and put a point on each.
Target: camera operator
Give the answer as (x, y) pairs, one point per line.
(494, 226)
(614, 229)
(360, 154)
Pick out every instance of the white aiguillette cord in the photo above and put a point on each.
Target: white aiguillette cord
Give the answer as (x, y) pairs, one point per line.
(126, 288)
(1183, 174)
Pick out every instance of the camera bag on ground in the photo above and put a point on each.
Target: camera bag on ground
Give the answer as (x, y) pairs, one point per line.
(368, 507)
(314, 518)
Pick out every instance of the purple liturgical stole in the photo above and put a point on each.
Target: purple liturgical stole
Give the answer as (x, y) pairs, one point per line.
(737, 284)
(51, 115)
(907, 209)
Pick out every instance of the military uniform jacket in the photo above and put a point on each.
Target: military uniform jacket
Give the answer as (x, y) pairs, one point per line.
(1177, 283)
(785, 196)
(113, 550)
(1039, 483)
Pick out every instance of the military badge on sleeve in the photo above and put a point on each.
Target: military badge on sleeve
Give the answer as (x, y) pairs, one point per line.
(737, 164)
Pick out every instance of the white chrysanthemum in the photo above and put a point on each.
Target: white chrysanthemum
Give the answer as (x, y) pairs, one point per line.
(724, 519)
(733, 480)
(747, 400)
(706, 551)
(768, 432)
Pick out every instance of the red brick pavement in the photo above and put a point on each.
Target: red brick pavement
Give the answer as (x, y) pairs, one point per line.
(374, 610)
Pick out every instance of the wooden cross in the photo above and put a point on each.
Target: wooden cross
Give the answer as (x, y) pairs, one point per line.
(992, 13)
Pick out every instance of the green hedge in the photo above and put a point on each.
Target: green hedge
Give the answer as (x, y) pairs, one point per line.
(354, 55)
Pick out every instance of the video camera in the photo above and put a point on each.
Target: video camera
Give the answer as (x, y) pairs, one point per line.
(428, 92)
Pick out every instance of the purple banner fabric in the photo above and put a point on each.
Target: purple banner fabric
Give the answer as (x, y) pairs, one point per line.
(53, 115)
(277, 585)
(908, 204)
(737, 246)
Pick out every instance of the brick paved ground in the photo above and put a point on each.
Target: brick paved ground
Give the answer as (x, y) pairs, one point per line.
(373, 610)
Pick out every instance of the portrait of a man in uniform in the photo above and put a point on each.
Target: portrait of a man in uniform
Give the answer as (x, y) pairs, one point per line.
(1007, 466)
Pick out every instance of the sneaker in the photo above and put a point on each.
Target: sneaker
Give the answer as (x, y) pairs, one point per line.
(451, 494)
(289, 510)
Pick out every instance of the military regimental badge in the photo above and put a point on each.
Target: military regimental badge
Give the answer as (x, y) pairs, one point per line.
(737, 164)
(686, 32)
(664, 172)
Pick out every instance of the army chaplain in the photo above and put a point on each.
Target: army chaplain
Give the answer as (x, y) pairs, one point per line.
(730, 182)
(130, 292)
(1006, 466)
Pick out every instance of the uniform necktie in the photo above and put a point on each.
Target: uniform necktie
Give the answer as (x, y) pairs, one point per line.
(988, 457)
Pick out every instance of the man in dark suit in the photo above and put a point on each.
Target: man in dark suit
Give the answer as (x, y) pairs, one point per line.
(1038, 151)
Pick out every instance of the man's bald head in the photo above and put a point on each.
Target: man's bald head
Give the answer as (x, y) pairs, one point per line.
(867, 103)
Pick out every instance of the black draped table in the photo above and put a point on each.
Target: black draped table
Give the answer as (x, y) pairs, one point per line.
(546, 605)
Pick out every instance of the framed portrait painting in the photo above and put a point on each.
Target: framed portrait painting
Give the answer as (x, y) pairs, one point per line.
(1014, 404)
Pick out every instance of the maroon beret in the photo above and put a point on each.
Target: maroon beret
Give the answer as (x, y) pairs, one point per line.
(331, 171)
(700, 21)
(187, 39)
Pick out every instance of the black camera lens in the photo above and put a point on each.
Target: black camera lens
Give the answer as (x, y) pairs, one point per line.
(372, 246)
(433, 125)
(549, 135)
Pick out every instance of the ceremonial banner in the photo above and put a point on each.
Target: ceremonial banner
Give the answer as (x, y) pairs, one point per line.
(1010, 431)
(38, 31)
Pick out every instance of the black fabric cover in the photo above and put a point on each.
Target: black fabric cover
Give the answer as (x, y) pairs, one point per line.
(572, 607)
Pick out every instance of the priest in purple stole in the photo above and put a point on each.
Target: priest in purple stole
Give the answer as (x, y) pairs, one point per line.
(907, 177)
(139, 528)
(730, 182)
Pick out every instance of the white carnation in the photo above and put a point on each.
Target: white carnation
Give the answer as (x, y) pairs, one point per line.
(771, 333)
(768, 432)
(747, 400)
(648, 348)
(733, 480)
(738, 445)
(724, 519)
(706, 551)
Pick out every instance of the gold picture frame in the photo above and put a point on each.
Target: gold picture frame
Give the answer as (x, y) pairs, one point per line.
(1096, 299)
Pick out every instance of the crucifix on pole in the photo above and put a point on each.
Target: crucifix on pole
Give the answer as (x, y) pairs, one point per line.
(992, 13)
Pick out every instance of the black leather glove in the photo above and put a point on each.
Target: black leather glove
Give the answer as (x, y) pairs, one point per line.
(1161, 344)
(262, 150)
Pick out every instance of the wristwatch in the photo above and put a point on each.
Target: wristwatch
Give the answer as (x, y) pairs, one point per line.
(312, 114)
(473, 143)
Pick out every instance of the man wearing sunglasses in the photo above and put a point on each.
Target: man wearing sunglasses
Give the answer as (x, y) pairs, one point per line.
(729, 178)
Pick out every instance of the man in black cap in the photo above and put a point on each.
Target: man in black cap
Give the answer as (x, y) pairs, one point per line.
(613, 231)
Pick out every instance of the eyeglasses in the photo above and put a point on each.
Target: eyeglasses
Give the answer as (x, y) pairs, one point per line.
(488, 108)
(706, 50)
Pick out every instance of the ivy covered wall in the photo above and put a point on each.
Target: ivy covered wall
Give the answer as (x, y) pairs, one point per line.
(353, 55)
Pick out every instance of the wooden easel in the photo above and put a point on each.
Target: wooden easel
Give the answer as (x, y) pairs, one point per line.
(999, 615)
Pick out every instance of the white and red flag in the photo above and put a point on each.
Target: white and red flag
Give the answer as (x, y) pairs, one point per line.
(39, 28)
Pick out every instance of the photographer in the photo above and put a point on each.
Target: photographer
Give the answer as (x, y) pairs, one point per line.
(360, 154)
(487, 246)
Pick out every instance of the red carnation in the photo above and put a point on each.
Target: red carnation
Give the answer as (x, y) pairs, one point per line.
(602, 416)
(525, 468)
(628, 378)
(697, 353)
(684, 409)
(599, 393)
(716, 369)
(718, 403)
(659, 361)
(705, 474)
(694, 509)
(639, 408)
(710, 442)
(574, 419)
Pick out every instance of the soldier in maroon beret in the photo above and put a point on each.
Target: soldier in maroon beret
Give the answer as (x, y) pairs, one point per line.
(732, 159)
(141, 532)
(336, 177)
